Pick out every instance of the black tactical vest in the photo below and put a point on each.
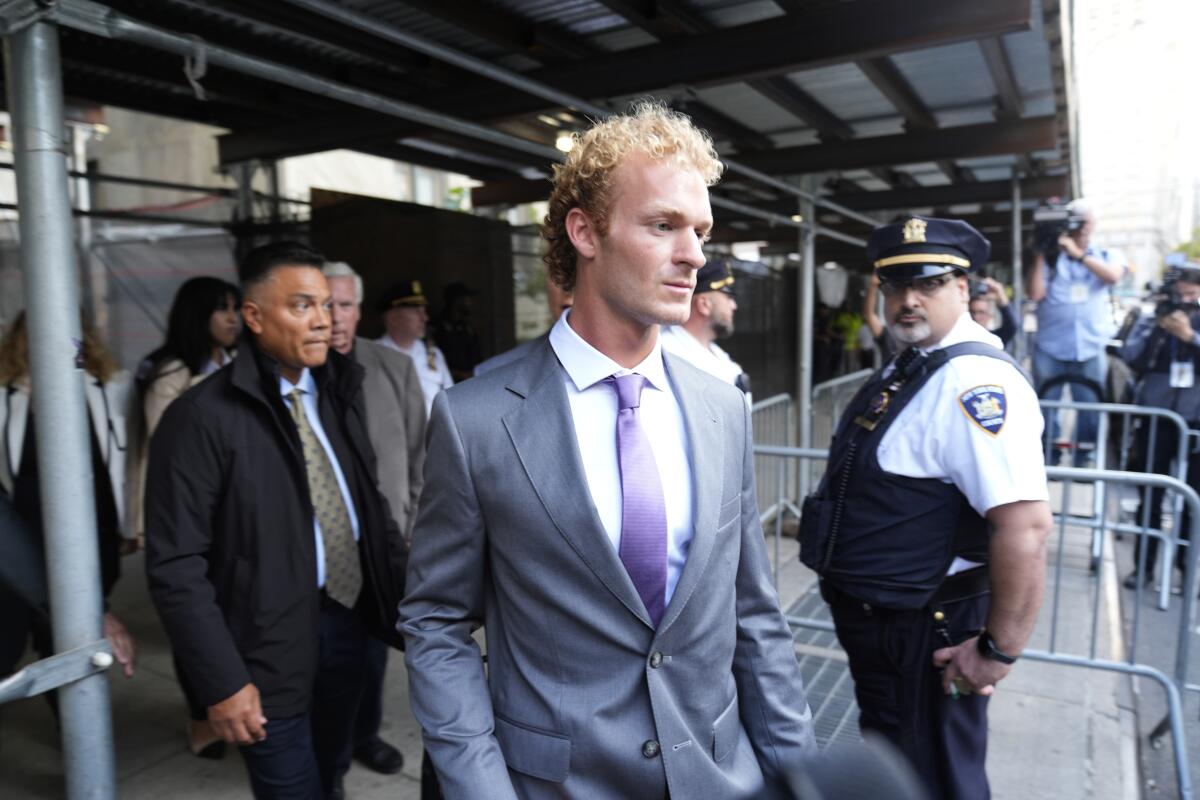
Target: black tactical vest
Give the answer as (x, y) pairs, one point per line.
(883, 538)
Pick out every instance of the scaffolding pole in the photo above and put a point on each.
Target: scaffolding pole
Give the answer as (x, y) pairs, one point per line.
(35, 100)
(1018, 303)
(805, 301)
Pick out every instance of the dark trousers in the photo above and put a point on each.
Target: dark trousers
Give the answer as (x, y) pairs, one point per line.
(431, 787)
(19, 626)
(1166, 447)
(370, 706)
(313, 750)
(899, 691)
(283, 766)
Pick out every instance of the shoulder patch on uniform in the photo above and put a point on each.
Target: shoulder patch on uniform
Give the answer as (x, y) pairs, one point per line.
(986, 406)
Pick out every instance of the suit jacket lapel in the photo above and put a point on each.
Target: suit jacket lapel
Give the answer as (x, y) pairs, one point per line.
(543, 433)
(708, 470)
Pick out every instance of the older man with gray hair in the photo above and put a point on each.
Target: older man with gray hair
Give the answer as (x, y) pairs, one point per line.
(396, 424)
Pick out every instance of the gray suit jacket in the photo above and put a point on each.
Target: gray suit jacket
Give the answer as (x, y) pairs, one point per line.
(396, 424)
(578, 681)
(509, 356)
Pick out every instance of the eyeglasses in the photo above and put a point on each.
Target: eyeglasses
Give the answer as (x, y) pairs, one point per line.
(926, 287)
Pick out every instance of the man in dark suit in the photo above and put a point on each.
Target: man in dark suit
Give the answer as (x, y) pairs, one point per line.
(592, 506)
(396, 422)
(270, 553)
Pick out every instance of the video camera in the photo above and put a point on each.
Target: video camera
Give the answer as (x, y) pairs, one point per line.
(1050, 221)
(1166, 298)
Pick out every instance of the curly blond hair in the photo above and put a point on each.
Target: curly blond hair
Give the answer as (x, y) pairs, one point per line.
(585, 179)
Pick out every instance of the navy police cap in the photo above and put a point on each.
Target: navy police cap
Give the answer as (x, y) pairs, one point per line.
(924, 247)
(715, 276)
(404, 293)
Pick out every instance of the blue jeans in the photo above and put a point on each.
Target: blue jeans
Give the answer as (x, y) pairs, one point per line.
(1046, 368)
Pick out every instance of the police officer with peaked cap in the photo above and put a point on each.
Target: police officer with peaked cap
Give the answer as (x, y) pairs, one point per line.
(405, 320)
(928, 529)
(713, 306)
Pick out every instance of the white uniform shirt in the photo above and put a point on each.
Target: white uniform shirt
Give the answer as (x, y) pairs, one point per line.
(711, 359)
(940, 434)
(434, 379)
(594, 412)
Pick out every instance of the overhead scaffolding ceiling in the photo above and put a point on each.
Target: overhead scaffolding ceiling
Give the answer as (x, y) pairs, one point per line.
(919, 105)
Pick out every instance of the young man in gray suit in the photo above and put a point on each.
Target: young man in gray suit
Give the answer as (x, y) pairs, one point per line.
(592, 506)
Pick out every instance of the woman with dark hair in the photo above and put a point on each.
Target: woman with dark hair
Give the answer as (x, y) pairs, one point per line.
(202, 328)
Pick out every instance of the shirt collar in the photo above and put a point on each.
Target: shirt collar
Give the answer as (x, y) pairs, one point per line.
(388, 341)
(586, 366)
(306, 384)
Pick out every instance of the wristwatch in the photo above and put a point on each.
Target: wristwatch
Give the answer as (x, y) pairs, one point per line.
(987, 649)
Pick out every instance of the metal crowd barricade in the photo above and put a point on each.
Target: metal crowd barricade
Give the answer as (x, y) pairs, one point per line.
(828, 401)
(1128, 457)
(1175, 683)
(774, 423)
(1173, 680)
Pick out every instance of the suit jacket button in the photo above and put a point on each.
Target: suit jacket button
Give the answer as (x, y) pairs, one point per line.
(656, 660)
(650, 748)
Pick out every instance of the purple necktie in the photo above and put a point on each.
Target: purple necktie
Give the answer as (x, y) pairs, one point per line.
(643, 547)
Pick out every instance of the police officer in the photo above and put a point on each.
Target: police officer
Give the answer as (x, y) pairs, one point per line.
(405, 319)
(713, 306)
(1163, 351)
(928, 530)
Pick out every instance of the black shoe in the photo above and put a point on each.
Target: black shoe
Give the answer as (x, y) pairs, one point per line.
(338, 792)
(379, 756)
(1130, 581)
(213, 751)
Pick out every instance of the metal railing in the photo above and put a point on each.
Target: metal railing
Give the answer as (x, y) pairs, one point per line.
(1175, 681)
(774, 423)
(832, 395)
(1134, 434)
(829, 399)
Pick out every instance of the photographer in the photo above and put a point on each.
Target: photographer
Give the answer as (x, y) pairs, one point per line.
(1070, 282)
(988, 301)
(1163, 351)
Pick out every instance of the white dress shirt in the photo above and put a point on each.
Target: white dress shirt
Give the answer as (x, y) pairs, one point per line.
(935, 437)
(433, 379)
(308, 386)
(594, 412)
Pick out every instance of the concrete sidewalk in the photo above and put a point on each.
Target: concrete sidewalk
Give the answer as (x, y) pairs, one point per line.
(1057, 732)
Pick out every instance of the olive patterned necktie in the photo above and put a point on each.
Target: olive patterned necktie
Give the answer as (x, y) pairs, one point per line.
(343, 573)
